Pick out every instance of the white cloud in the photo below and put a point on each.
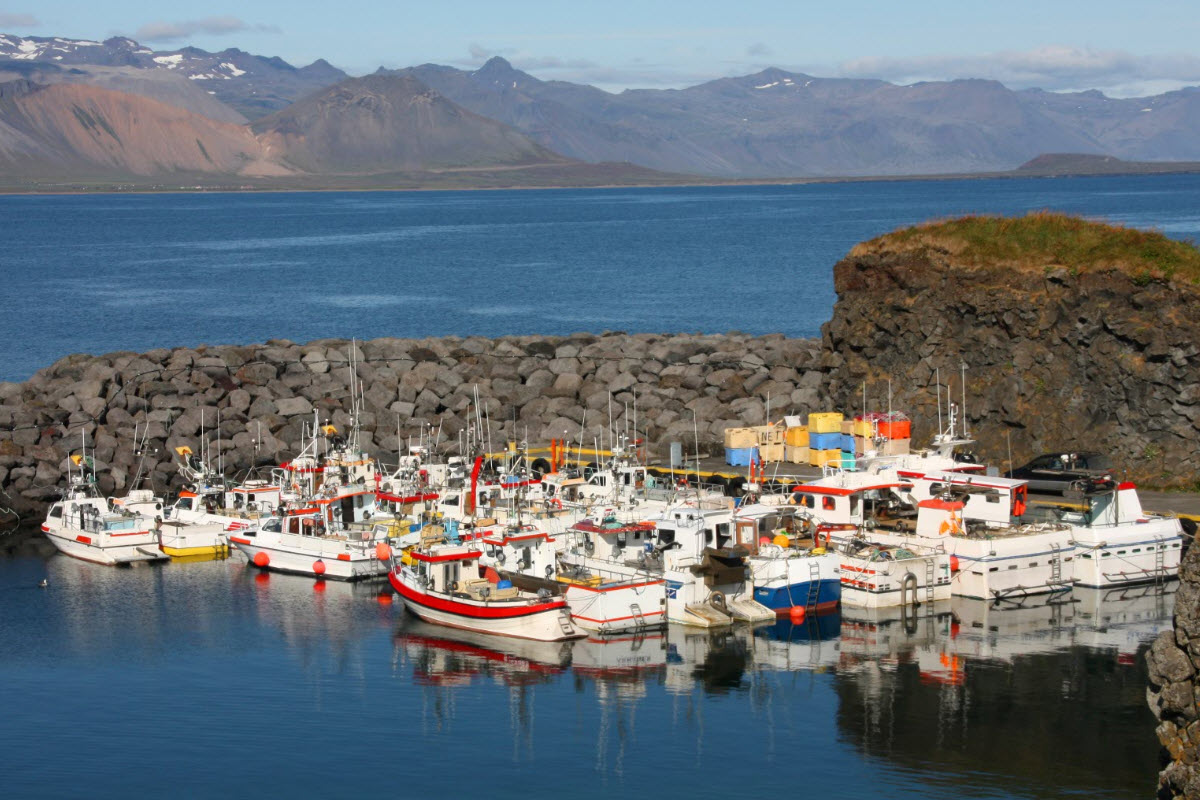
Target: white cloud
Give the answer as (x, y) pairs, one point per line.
(160, 31)
(1054, 67)
(18, 21)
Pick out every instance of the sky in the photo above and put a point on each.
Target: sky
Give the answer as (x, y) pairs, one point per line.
(1121, 48)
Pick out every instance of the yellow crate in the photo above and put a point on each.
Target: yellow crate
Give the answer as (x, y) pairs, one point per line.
(769, 434)
(794, 454)
(894, 447)
(826, 422)
(771, 453)
(863, 428)
(741, 438)
(797, 437)
(819, 458)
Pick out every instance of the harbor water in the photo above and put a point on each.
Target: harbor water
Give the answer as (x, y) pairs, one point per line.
(212, 679)
(136, 272)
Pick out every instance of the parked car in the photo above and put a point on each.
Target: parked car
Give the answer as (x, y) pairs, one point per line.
(1056, 472)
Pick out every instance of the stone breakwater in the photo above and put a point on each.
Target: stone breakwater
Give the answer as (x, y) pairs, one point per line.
(534, 388)
(1174, 691)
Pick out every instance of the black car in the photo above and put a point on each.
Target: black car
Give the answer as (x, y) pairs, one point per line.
(1056, 472)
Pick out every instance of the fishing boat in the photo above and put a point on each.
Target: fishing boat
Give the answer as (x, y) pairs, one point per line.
(309, 541)
(83, 525)
(1119, 544)
(440, 582)
(875, 575)
(789, 565)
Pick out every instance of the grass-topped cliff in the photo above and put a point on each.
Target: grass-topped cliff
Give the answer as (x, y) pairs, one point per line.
(1043, 239)
(1075, 335)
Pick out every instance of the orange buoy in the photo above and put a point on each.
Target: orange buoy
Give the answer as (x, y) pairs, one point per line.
(383, 551)
(261, 559)
(798, 613)
(954, 563)
(781, 540)
(319, 567)
(764, 540)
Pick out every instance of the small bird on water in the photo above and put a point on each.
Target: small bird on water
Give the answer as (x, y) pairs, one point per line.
(44, 583)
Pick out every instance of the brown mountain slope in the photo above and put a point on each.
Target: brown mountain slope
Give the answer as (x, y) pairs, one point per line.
(391, 122)
(65, 128)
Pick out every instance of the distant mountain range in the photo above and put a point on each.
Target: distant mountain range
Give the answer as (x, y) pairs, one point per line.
(115, 108)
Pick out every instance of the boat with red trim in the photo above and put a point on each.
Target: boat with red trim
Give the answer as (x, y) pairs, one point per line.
(309, 541)
(83, 525)
(441, 583)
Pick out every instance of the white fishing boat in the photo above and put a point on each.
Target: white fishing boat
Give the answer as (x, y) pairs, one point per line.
(441, 583)
(1118, 543)
(879, 575)
(83, 525)
(307, 541)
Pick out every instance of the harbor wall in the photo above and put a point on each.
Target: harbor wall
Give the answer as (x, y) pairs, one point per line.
(1174, 691)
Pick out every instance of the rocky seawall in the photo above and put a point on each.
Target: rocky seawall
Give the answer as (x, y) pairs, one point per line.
(529, 388)
(1174, 691)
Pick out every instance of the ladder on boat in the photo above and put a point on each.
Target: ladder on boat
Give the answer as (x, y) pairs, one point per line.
(930, 577)
(1160, 559)
(814, 586)
(639, 620)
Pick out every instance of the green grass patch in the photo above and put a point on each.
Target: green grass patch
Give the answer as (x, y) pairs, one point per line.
(1044, 240)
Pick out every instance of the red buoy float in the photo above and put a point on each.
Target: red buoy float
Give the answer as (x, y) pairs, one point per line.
(383, 551)
(261, 559)
(954, 563)
(798, 613)
(319, 567)
(384, 598)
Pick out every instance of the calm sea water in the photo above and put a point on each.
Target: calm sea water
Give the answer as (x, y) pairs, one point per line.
(103, 273)
(209, 679)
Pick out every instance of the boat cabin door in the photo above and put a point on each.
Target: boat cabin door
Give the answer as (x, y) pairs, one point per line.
(747, 535)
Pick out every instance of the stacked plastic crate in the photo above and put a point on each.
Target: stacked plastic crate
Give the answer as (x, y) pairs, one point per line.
(824, 438)
(741, 446)
(887, 433)
(771, 442)
(795, 441)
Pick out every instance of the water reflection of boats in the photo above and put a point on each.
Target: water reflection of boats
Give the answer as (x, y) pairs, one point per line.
(444, 656)
(1021, 694)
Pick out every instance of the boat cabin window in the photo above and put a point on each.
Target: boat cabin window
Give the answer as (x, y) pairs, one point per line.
(599, 480)
(273, 526)
(184, 503)
(56, 512)
(808, 501)
(827, 503)
(666, 536)
(723, 535)
(853, 504)
(453, 500)
(708, 536)
(294, 525)
(526, 558)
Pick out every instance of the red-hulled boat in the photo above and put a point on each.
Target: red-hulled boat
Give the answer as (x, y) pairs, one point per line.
(440, 583)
